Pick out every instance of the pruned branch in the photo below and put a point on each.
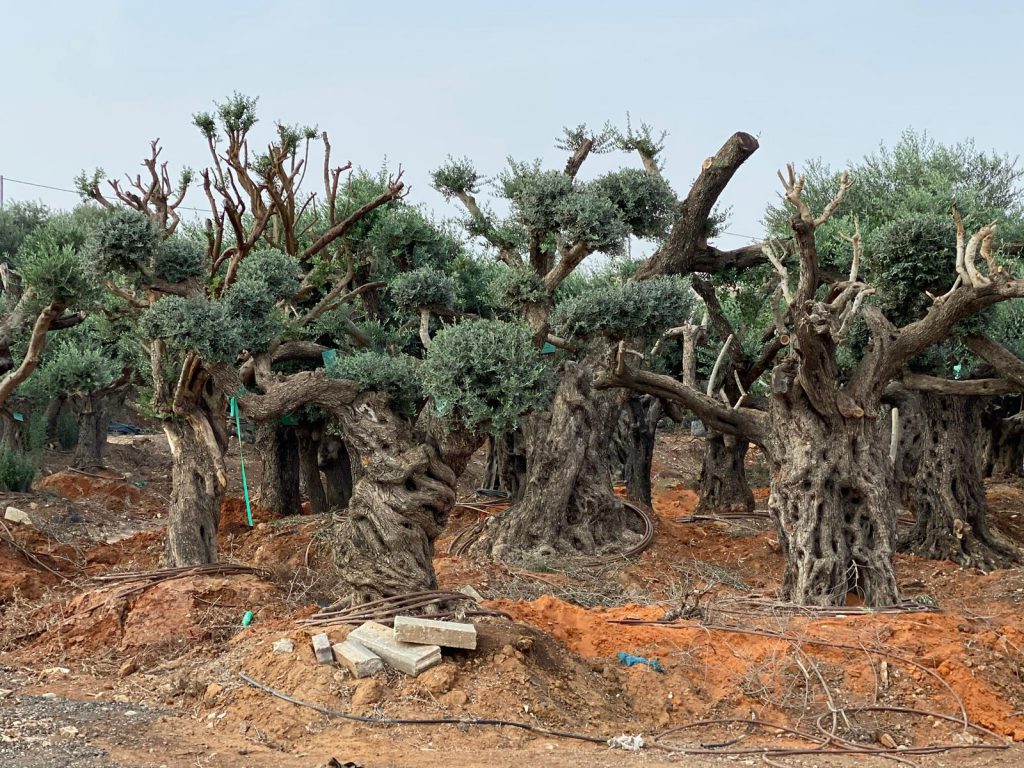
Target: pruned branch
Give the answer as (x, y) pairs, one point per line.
(37, 343)
(1007, 364)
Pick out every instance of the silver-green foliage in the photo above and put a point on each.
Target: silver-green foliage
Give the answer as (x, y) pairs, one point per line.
(125, 241)
(423, 288)
(50, 262)
(393, 375)
(193, 325)
(629, 310)
(485, 374)
(178, 258)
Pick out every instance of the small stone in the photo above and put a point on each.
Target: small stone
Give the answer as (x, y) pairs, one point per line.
(15, 515)
(130, 667)
(886, 740)
(454, 699)
(284, 645)
(524, 644)
(212, 691)
(369, 691)
(322, 648)
(470, 592)
(57, 671)
(439, 679)
(49, 695)
(69, 730)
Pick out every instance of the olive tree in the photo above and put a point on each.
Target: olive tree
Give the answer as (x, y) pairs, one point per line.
(832, 492)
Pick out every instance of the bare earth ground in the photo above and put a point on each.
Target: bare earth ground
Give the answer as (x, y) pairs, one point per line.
(92, 676)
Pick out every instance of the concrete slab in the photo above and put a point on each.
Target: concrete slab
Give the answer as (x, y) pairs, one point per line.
(322, 648)
(449, 634)
(405, 657)
(360, 661)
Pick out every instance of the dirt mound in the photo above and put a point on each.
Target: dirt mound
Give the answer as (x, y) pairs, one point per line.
(516, 673)
(164, 619)
(111, 492)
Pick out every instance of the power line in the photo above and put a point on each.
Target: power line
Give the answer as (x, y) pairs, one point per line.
(76, 192)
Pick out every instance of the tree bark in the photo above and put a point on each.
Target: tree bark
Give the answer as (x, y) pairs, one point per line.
(53, 411)
(279, 487)
(198, 481)
(335, 462)
(833, 502)
(568, 505)
(1005, 454)
(309, 468)
(723, 476)
(634, 445)
(93, 418)
(384, 545)
(939, 469)
(506, 463)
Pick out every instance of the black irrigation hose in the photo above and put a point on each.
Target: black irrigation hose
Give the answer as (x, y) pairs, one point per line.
(425, 721)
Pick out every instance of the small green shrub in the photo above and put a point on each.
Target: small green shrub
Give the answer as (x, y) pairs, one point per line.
(67, 430)
(17, 470)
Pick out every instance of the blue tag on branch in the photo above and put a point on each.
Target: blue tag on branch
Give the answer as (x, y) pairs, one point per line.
(289, 420)
(548, 348)
(18, 416)
(329, 356)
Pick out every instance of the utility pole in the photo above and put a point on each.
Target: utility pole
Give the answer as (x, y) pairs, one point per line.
(1, 193)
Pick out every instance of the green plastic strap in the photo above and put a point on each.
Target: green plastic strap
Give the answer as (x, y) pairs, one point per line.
(548, 348)
(241, 459)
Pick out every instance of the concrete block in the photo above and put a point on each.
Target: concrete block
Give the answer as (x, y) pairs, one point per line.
(360, 661)
(322, 648)
(405, 657)
(470, 592)
(16, 515)
(450, 634)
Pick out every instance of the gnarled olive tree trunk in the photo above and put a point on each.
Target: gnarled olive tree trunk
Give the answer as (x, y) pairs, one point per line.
(93, 419)
(309, 467)
(939, 466)
(1005, 445)
(633, 444)
(384, 542)
(723, 483)
(278, 447)
(505, 468)
(198, 444)
(568, 506)
(833, 501)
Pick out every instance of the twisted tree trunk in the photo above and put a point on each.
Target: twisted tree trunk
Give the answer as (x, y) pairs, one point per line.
(939, 469)
(384, 545)
(1005, 454)
(634, 444)
(198, 444)
(833, 501)
(723, 483)
(278, 447)
(568, 506)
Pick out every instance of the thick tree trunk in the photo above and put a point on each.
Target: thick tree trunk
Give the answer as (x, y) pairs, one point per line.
(1005, 454)
(634, 445)
(53, 411)
(309, 468)
(336, 465)
(568, 506)
(384, 544)
(93, 419)
(833, 501)
(723, 476)
(197, 488)
(278, 447)
(939, 468)
(505, 469)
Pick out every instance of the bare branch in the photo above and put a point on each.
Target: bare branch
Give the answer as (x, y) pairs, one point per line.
(718, 364)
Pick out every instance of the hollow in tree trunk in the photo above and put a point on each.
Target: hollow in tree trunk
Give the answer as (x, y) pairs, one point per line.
(309, 467)
(400, 504)
(336, 465)
(939, 469)
(568, 505)
(198, 444)
(723, 483)
(633, 445)
(833, 502)
(278, 447)
(93, 420)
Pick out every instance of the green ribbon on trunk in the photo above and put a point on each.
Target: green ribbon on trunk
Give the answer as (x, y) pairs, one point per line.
(241, 459)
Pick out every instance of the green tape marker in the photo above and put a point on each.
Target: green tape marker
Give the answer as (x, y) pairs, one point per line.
(548, 348)
(329, 356)
(241, 459)
(18, 416)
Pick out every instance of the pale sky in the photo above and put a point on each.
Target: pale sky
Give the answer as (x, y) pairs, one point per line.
(91, 83)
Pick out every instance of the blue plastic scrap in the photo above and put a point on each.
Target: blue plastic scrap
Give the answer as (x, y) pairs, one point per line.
(629, 660)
